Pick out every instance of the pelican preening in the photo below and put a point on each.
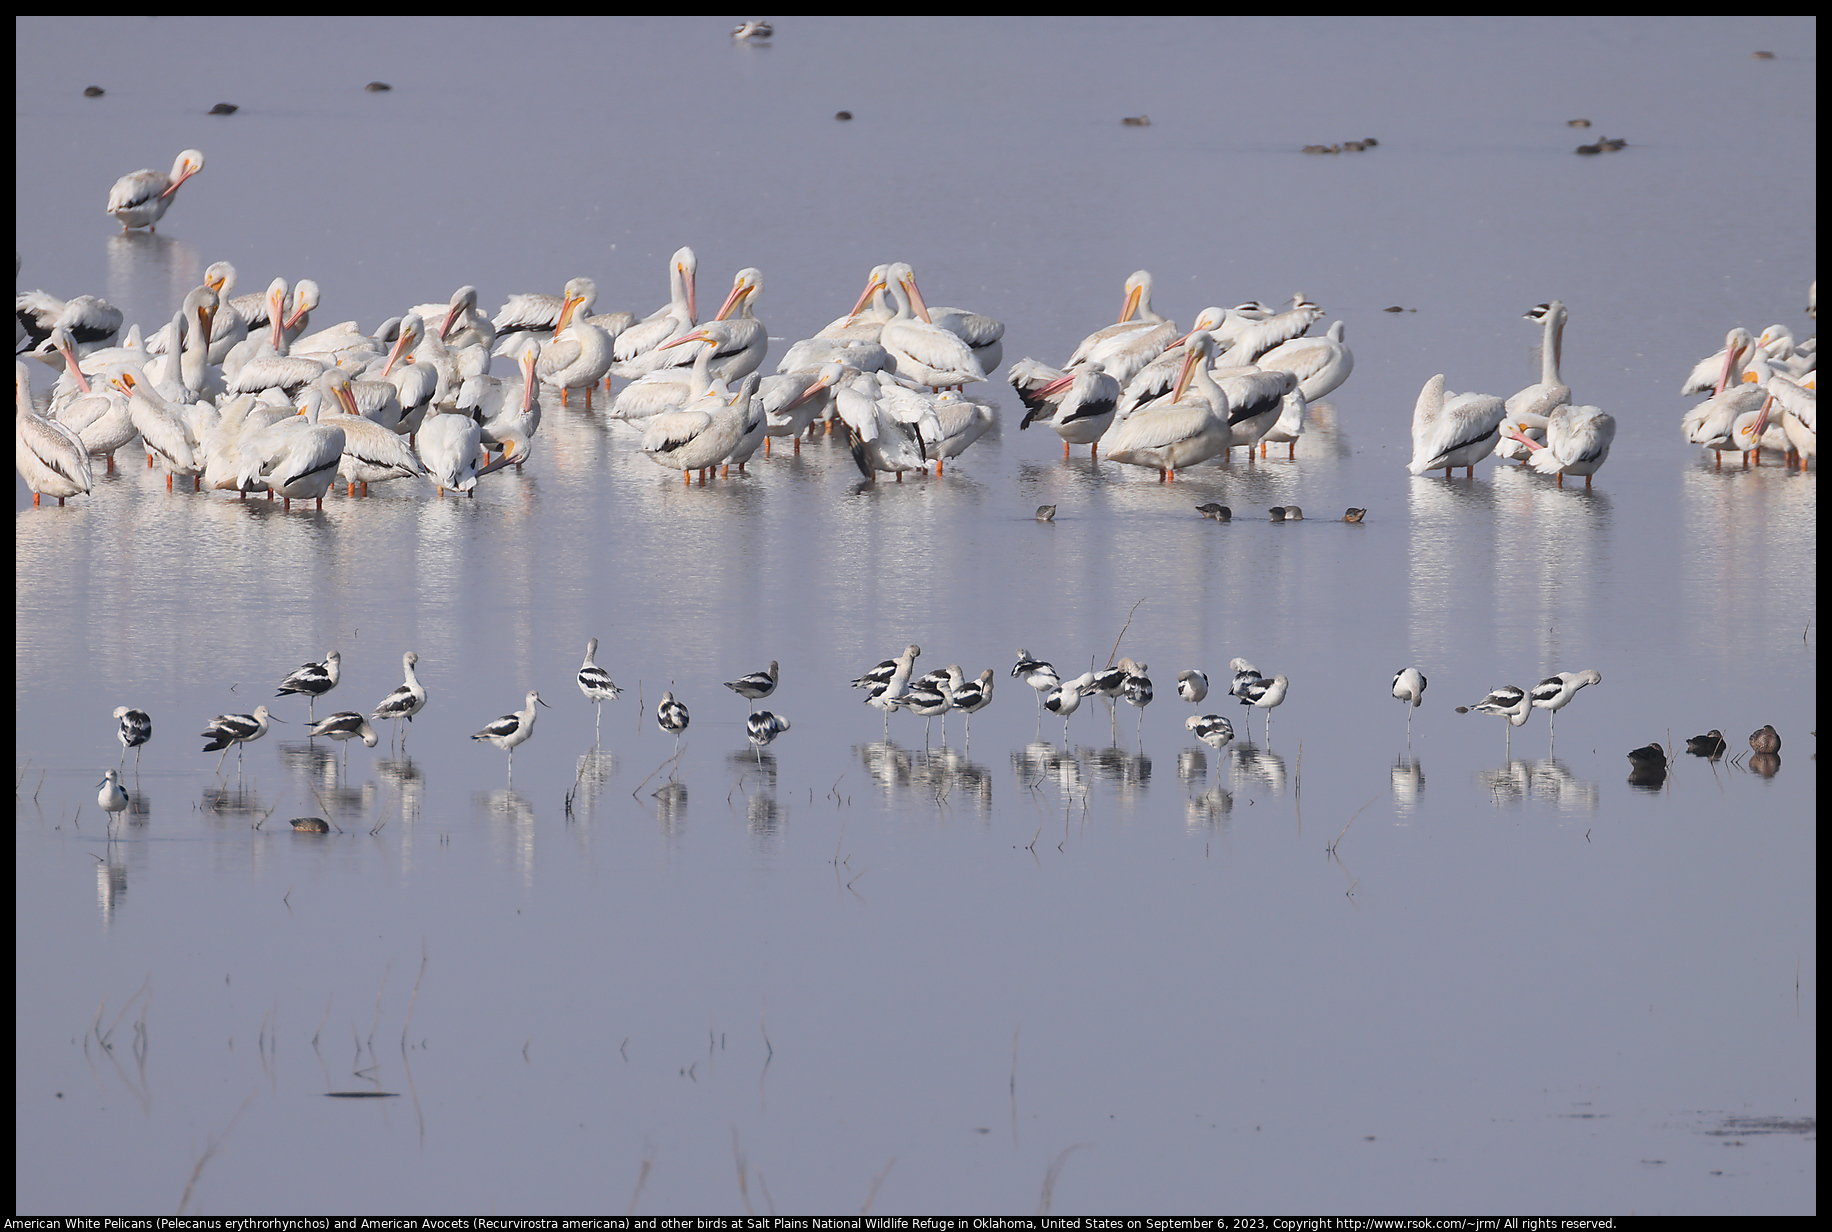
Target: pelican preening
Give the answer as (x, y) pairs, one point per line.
(142, 198)
(1577, 443)
(50, 456)
(1452, 430)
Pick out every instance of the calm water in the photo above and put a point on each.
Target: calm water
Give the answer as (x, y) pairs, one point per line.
(1323, 972)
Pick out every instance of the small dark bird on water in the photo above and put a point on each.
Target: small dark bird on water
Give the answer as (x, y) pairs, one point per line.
(311, 825)
(1578, 123)
(378, 87)
(224, 109)
(842, 115)
(1651, 755)
(1046, 513)
(1590, 149)
(1711, 744)
(1221, 513)
(1278, 513)
(1354, 515)
(1647, 766)
(93, 92)
(1293, 514)
(1137, 121)
(1765, 739)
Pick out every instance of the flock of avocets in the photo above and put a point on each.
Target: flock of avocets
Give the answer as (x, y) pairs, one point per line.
(234, 393)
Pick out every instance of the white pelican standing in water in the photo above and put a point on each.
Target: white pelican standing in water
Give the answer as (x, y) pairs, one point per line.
(922, 352)
(1735, 416)
(51, 457)
(1452, 430)
(1080, 404)
(371, 453)
(142, 198)
(633, 352)
(699, 437)
(1799, 416)
(580, 353)
(1577, 443)
(1320, 364)
(1180, 429)
(1127, 346)
(92, 321)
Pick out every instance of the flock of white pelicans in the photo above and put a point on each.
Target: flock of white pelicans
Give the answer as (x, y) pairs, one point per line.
(236, 395)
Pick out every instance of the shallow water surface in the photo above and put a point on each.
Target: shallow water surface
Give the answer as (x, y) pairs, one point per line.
(1323, 968)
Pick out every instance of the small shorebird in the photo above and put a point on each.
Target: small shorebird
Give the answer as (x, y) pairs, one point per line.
(344, 726)
(596, 684)
(313, 679)
(756, 685)
(511, 729)
(408, 698)
(237, 729)
(671, 716)
(136, 730)
(1409, 687)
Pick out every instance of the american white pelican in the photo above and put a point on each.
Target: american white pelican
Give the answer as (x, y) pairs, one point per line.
(868, 315)
(451, 449)
(737, 347)
(296, 460)
(700, 436)
(371, 453)
(512, 729)
(1550, 391)
(1256, 338)
(957, 423)
(101, 421)
(1212, 729)
(756, 685)
(112, 797)
(161, 425)
(1180, 429)
(1409, 687)
(1765, 739)
(1449, 430)
(142, 198)
(313, 679)
(228, 327)
(634, 349)
(791, 401)
(579, 355)
(980, 332)
(537, 312)
(1289, 425)
(181, 351)
(741, 340)
(762, 727)
(344, 726)
(235, 729)
(1737, 414)
(136, 730)
(51, 458)
(1127, 346)
(665, 389)
(1266, 694)
(671, 716)
(878, 439)
(407, 699)
(269, 364)
(92, 321)
(1554, 693)
(507, 413)
(1509, 702)
(1192, 686)
(1320, 364)
(1577, 443)
(922, 352)
(221, 446)
(1798, 416)
(1253, 401)
(1714, 371)
(461, 322)
(1080, 404)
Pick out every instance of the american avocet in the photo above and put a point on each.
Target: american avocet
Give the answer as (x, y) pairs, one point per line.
(755, 685)
(1266, 694)
(1211, 729)
(595, 682)
(344, 726)
(511, 729)
(136, 730)
(112, 797)
(972, 697)
(1509, 702)
(408, 698)
(1554, 693)
(313, 679)
(929, 697)
(1245, 674)
(237, 729)
(1065, 699)
(763, 727)
(1036, 673)
(1136, 689)
(1409, 687)
(671, 716)
(881, 675)
(1192, 686)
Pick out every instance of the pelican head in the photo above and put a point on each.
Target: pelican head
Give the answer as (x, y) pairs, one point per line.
(748, 283)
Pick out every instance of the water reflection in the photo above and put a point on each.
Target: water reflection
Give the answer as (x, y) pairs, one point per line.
(1192, 766)
(1209, 810)
(408, 783)
(939, 776)
(1508, 785)
(239, 801)
(110, 887)
(1251, 765)
(1128, 773)
(1554, 783)
(1408, 776)
(1768, 765)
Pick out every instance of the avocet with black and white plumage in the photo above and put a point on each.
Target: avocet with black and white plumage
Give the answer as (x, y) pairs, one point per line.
(237, 729)
(1211, 729)
(1192, 686)
(344, 726)
(136, 730)
(408, 698)
(512, 729)
(973, 697)
(756, 685)
(1409, 687)
(595, 682)
(1507, 701)
(112, 797)
(1036, 673)
(671, 716)
(762, 727)
(1266, 694)
(313, 679)
(1554, 693)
